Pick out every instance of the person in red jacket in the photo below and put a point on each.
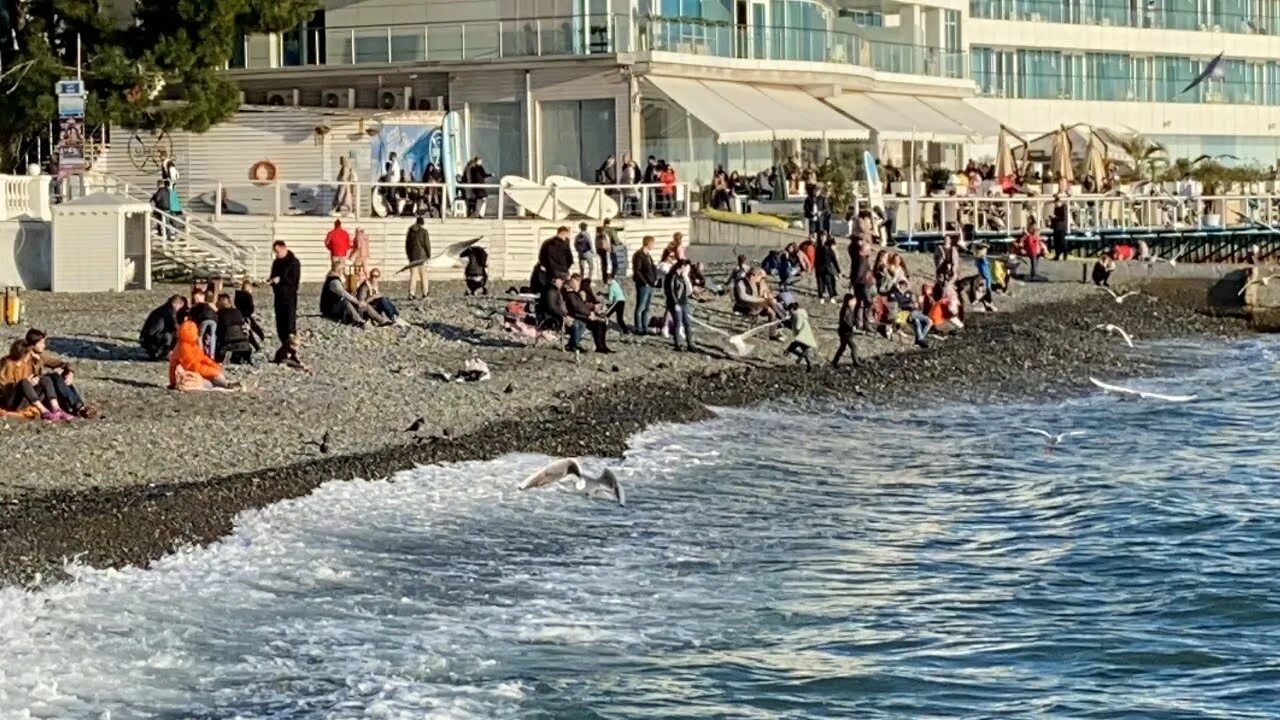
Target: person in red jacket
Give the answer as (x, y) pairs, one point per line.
(338, 242)
(1032, 247)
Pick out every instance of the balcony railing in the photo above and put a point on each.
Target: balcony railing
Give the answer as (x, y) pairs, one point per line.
(1265, 21)
(602, 34)
(700, 37)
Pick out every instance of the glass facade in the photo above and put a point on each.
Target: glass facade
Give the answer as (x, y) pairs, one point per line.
(690, 146)
(498, 137)
(1119, 77)
(1254, 17)
(577, 135)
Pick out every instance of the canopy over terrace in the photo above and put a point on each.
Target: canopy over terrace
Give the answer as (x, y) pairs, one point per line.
(897, 117)
(743, 112)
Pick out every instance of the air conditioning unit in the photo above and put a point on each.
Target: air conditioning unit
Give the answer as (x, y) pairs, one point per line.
(281, 98)
(401, 99)
(435, 103)
(344, 98)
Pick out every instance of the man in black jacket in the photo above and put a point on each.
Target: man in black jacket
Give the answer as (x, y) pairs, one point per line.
(555, 259)
(645, 276)
(160, 330)
(583, 315)
(286, 274)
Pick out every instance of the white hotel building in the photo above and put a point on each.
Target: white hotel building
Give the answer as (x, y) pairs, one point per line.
(553, 86)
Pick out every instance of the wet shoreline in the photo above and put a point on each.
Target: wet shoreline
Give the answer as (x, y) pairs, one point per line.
(1039, 351)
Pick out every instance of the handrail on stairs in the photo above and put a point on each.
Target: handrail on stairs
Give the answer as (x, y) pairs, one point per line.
(182, 236)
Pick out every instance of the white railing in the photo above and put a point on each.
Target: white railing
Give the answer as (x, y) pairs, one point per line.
(25, 196)
(1086, 213)
(183, 239)
(377, 199)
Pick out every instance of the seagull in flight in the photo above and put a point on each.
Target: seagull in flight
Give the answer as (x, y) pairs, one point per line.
(1259, 281)
(1055, 440)
(1119, 298)
(568, 468)
(1117, 330)
(1172, 262)
(1141, 394)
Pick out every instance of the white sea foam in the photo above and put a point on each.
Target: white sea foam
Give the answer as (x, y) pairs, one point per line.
(822, 559)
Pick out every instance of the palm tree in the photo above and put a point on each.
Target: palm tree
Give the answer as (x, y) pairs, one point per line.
(1145, 154)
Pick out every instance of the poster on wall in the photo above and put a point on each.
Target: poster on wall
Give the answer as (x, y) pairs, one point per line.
(415, 146)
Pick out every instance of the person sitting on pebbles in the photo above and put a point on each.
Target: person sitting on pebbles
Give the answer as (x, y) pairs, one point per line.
(25, 393)
(369, 292)
(190, 368)
(48, 366)
(160, 330)
(582, 313)
(340, 306)
(233, 334)
(287, 355)
(908, 309)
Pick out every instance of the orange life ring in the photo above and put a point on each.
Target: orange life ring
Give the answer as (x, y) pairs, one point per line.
(262, 172)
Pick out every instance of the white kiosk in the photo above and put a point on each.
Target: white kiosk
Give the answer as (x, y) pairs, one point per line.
(101, 242)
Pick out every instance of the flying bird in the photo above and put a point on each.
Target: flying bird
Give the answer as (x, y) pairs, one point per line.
(737, 342)
(1210, 71)
(452, 254)
(1107, 387)
(1171, 262)
(416, 425)
(1223, 156)
(1259, 281)
(569, 469)
(1116, 329)
(1118, 298)
(1055, 440)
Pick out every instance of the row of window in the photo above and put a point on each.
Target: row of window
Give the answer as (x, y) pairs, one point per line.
(1258, 17)
(1056, 75)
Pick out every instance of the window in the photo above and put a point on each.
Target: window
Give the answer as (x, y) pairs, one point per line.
(577, 135)
(497, 136)
(1110, 77)
(951, 30)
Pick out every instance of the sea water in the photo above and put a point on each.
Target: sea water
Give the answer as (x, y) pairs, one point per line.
(784, 562)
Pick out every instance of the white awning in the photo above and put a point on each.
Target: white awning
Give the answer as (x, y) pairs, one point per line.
(728, 121)
(742, 112)
(808, 117)
(886, 121)
(982, 127)
(903, 117)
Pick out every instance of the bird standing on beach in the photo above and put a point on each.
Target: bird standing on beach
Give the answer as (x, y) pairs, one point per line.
(322, 444)
(1118, 298)
(1116, 329)
(568, 468)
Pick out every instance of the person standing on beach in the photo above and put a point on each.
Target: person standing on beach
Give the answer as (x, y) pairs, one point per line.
(286, 274)
(338, 243)
(555, 259)
(417, 249)
(678, 290)
(582, 245)
(645, 276)
(1059, 228)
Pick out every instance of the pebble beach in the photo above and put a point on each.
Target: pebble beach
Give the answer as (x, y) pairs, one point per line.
(161, 469)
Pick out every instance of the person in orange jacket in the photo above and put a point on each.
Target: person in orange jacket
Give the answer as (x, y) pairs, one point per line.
(189, 367)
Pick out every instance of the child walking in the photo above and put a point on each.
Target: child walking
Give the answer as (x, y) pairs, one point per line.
(803, 341)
